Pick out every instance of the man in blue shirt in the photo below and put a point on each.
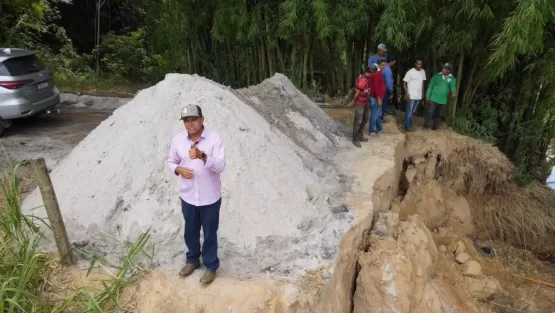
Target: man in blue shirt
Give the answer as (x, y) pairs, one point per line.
(379, 56)
(388, 77)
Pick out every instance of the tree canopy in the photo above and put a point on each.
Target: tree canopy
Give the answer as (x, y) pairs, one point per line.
(503, 50)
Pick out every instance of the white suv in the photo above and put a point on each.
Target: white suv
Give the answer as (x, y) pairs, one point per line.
(26, 87)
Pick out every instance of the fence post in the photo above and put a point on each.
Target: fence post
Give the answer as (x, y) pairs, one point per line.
(53, 211)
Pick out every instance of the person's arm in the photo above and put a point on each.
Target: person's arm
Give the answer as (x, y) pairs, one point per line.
(406, 80)
(430, 88)
(423, 82)
(389, 81)
(216, 162)
(173, 158)
(381, 92)
(371, 86)
(453, 86)
(383, 89)
(357, 93)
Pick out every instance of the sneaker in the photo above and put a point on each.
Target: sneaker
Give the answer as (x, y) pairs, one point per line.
(380, 132)
(208, 277)
(357, 144)
(372, 134)
(188, 269)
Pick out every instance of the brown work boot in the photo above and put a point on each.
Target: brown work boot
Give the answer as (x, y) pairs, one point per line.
(188, 269)
(208, 277)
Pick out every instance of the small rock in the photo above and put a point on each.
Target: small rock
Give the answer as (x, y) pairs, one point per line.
(409, 175)
(484, 288)
(442, 249)
(462, 257)
(472, 269)
(460, 248)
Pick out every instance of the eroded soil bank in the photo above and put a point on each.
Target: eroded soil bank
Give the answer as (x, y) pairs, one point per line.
(446, 243)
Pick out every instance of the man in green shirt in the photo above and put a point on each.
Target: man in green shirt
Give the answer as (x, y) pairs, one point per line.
(441, 85)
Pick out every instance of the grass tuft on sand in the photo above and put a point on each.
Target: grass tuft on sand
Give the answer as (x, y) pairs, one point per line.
(26, 273)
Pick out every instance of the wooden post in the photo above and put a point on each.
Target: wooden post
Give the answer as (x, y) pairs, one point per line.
(53, 211)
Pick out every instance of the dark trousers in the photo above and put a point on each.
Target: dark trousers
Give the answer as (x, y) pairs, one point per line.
(435, 111)
(362, 115)
(385, 104)
(207, 217)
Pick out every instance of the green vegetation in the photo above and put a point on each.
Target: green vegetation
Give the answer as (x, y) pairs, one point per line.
(503, 51)
(23, 268)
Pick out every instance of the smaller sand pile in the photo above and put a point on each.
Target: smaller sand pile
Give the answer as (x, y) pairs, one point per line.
(277, 208)
(294, 114)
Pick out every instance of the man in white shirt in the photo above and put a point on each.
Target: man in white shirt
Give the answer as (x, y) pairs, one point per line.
(413, 84)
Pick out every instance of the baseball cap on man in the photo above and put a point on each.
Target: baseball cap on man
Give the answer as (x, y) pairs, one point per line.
(382, 47)
(191, 110)
(448, 66)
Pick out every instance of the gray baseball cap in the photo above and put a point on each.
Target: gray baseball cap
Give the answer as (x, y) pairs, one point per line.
(382, 47)
(191, 110)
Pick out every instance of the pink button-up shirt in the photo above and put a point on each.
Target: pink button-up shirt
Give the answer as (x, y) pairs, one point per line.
(205, 187)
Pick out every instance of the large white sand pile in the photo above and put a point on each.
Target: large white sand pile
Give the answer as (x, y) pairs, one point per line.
(280, 209)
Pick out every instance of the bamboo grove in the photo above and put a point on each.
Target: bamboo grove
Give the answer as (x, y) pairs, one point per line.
(503, 50)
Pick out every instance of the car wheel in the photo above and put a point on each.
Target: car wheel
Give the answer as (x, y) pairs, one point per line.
(2, 130)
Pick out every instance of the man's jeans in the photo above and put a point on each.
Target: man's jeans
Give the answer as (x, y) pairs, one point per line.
(385, 104)
(376, 116)
(410, 109)
(207, 217)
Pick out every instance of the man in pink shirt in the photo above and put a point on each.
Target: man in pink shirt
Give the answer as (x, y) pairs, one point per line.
(197, 157)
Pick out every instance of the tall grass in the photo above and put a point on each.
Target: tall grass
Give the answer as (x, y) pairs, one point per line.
(22, 265)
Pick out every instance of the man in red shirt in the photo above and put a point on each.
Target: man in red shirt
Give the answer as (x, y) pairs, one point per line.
(376, 82)
(360, 102)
